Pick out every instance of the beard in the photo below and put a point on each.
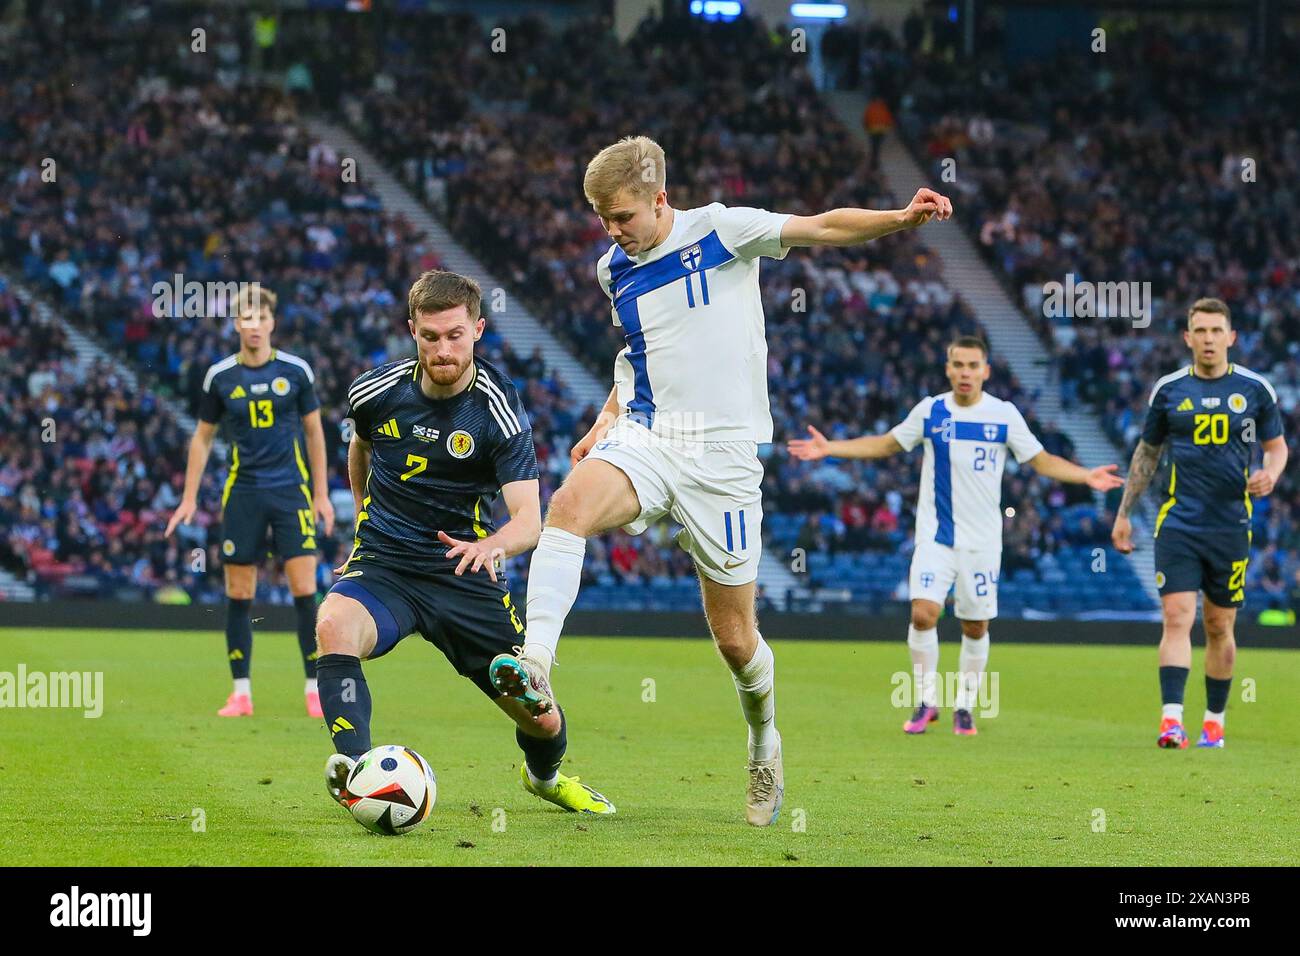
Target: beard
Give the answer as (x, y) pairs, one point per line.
(445, 375)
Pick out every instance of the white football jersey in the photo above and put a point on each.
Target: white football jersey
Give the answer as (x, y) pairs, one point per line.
(695, 365)
(961, 478)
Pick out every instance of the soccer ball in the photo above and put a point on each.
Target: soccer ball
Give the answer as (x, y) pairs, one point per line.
(392, 790)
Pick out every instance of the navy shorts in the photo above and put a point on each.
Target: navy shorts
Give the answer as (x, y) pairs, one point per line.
(1213, 561)
(468, 618)
(248, 513)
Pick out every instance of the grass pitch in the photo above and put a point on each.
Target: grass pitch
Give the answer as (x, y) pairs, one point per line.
(1067, 773)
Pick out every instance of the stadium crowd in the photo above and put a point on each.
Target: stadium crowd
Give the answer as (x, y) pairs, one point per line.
(1166, 162)
(79, 487)
(856, 336)
(238, 189)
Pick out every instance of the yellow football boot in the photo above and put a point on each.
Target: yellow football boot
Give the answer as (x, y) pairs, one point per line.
(569, 794)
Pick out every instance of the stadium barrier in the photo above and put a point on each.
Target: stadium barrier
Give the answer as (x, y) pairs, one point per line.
(775, 624)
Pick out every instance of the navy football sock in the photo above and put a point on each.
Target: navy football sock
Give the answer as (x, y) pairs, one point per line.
(544, 754)
(305, 608)
(1173, 681)
(345, 701)
(1216, 693)
(239, 636)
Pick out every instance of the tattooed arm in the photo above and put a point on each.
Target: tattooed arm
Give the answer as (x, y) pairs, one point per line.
(1146, 459)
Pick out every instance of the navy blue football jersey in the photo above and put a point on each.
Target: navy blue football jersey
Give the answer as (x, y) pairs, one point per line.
(1212, 425)
(435, 464)
(261, 409)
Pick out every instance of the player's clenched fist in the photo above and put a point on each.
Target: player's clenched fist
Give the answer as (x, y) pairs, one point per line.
(1261, 483)
(584, 445)
(1122, 535)
(925, 205)
(809, 449)
(588, 441)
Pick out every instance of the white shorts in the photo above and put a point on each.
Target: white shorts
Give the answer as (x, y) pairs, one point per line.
(937, 567)
(712, 489)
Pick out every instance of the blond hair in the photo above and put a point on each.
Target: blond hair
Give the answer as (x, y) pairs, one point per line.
(255, 297)
(634, 163)
(437, 291)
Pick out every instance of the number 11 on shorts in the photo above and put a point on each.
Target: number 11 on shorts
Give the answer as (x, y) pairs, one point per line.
(739, 522)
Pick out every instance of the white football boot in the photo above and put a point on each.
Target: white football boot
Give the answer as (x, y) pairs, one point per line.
(337, 769)
(766, 789)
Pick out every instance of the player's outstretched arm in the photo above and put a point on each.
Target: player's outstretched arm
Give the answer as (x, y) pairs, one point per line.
(819, 446)
(608, 415)
(1101, 478)
(321, 504)
(1261, 482)
(519, 534)
(1146, 459)
(852, 227)
(200, 449)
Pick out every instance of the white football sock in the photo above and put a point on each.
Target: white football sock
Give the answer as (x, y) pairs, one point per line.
(974, 655)
(924, 647)
(1172, 710)
(539, 782)
(312, 687)
(1217, 718)
(554, 575)
(756, 686)
(244, 686)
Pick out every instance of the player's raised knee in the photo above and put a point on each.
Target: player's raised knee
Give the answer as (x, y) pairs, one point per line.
(335, 633)
(595, 497)
(566, 512)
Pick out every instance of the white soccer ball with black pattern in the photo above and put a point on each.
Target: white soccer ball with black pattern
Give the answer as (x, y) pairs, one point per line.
(391, 790)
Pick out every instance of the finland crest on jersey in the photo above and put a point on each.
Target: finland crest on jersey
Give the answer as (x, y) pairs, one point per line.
(960, 503)
(695, 364)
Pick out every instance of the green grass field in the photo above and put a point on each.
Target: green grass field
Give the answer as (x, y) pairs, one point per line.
(1075, 738)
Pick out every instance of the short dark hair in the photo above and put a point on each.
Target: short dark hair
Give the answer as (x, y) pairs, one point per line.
(1213, 306)
(969, 342)
(437, 291)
